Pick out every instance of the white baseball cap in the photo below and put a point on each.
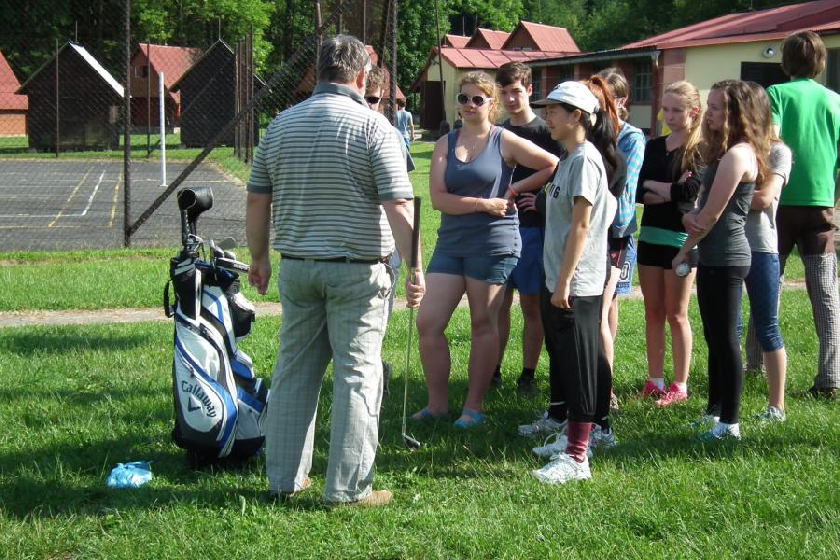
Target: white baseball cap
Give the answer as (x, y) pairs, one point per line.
(575, 94)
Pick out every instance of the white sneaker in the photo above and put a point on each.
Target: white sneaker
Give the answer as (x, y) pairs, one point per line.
(722, 432)
(600, 439)
(542, 427)
(773, 415)
(556, 447)
(562, 469)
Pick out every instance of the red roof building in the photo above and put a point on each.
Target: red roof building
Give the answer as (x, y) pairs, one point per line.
(153, 59)
(487, 39)
(13, 106)
(457, 41)
(743, 46)
(486, 50)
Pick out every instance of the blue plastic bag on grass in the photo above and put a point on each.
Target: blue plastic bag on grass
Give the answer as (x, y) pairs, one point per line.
(130, 475)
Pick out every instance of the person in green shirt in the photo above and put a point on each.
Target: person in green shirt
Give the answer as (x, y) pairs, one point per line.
(807, 117)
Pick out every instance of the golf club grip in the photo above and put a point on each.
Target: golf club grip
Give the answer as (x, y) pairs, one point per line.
(415, 234)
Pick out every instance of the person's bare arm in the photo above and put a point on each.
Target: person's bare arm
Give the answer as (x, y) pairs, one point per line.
(453, 204)
(733, 169)
(257, 223)
(575, 243)
(767, 193)
(659, 188)
(518, 151)
(400, 214)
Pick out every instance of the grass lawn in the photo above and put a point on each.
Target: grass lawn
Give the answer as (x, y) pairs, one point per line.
(77, 400)
(42, 280)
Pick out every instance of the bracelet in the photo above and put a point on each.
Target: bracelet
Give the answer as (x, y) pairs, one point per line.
(512, 191)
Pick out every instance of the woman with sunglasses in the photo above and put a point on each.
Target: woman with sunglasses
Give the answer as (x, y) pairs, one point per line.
(478, 241)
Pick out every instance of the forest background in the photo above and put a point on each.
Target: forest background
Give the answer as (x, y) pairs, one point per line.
(279, 26)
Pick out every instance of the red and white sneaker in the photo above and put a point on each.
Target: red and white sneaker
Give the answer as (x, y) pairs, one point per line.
(672, 396)
(651, 390)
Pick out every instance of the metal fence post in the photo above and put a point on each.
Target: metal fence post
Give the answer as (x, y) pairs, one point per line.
(127, 131)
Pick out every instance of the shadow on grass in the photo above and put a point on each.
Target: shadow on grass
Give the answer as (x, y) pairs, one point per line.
(27, 344)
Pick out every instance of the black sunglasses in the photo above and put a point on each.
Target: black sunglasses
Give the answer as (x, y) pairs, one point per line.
(372, 100)
(477, 100)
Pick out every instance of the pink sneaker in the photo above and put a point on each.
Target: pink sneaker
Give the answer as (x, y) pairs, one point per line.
(651, 390)
(672, 396)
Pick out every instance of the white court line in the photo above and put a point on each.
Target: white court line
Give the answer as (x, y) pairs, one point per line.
(61, 214)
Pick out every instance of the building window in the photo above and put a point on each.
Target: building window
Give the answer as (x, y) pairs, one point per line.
(536, 84)
(642, 81)
(832, 70)
(141, 72)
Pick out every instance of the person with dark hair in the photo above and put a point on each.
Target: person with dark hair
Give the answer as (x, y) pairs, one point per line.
(514, 78)
(404, 123)
(736, 148)
(807, 118)
(373, 96)
(579, 211)
(317, 161)
(478, 241)
(630, 141)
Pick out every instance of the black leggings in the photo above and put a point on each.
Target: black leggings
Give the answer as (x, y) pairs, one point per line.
(578, 372)
(719, 298)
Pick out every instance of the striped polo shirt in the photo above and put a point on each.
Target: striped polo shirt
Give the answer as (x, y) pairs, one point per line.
(329, 164)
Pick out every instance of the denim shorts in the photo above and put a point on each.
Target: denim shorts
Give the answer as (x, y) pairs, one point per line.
(527, 277)
(493, 269)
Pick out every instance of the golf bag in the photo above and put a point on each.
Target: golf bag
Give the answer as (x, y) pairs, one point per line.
(219, 403)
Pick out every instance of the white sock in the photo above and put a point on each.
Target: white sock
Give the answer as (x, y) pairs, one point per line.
(658, 381)
(682, 386)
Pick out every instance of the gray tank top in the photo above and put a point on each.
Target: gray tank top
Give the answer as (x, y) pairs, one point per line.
(726, 244)
(487, 176)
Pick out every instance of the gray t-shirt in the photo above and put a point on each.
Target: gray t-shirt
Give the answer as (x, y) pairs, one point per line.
(581, 173)
(761, 224)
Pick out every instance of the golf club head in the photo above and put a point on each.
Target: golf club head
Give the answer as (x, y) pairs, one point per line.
(227, 244)
(411, 443)
(195, 200)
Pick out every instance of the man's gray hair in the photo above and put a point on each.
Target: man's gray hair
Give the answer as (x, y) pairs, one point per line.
(342, 58)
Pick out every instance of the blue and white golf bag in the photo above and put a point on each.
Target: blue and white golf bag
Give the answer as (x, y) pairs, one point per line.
(219, 403)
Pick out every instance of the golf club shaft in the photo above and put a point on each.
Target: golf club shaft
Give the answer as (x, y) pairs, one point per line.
(412, 271)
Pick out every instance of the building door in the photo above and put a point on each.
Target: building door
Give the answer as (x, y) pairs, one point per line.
(432, 106)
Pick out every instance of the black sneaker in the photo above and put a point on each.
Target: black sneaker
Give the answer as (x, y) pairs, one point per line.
(526, 387)
(497, 383)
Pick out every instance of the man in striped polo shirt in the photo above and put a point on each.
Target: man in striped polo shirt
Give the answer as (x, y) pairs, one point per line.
(331, 175)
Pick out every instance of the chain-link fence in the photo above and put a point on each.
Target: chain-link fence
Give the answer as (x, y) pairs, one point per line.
(76, 173)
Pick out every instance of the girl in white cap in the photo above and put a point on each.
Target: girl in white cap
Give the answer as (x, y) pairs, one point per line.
(579, 211)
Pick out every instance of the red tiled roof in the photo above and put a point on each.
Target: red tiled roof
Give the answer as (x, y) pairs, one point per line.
(457, 41)
(495, 39)
(774, 23)
(9, 84)
(488, 59)
(172, 61)
(546, 37)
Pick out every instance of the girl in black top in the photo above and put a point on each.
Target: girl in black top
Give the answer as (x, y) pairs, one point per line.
(668, 185)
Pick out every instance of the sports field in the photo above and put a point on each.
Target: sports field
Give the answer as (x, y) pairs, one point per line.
(75, 400)
(73, 204)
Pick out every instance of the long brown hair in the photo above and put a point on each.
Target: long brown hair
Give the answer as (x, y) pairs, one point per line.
(693, 137)
(747, 120)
